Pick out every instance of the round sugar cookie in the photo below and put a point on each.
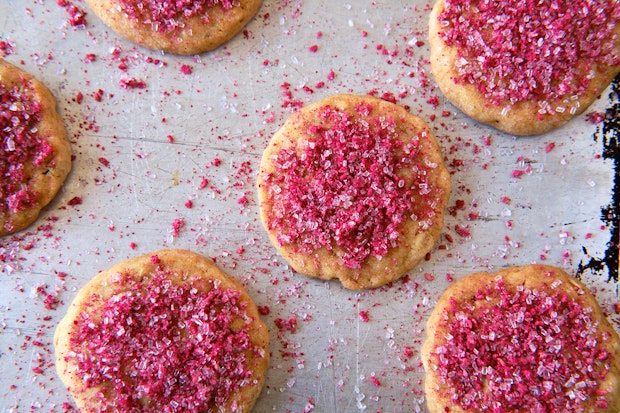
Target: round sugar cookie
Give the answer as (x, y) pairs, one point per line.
(182, 27)
(353, 188)
(524, 339)
(163, 332)
(35, 152)
(524, 67)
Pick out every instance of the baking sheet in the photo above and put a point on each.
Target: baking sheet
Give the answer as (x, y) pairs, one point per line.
(194, 130)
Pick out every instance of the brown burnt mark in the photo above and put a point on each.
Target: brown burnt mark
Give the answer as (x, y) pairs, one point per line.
(609, 135)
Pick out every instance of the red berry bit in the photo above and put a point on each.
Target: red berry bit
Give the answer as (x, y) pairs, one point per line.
(186, 69)
(514, 51)
(182, 347)
(76, 200)
(166, 17)
(522, 349)
(6, 48)
(77, 16)
(132, 83)
(364, 316)
(21, 146)
(344, 188)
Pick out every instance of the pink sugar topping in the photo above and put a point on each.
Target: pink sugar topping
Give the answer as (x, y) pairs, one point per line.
(20, 145)
(531, 50)
(346, 187)
(534, 350)
(165, 16)
(173, 345)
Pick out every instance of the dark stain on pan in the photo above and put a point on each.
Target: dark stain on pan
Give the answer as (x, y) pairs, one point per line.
(609, 135)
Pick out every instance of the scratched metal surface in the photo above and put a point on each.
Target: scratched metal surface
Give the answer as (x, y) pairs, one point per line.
(142, 153)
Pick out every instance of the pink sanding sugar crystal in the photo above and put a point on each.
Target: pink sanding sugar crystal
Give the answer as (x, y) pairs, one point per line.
(164, 16)
(173, 345)
(21, 145)
(534, 350)
(346, 187)
(530, 50)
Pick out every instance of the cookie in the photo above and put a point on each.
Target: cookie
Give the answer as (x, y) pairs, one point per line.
(35, 152)
(353, 188)
(524, 339)
(163, 332)
(182, 27)
(524, 67)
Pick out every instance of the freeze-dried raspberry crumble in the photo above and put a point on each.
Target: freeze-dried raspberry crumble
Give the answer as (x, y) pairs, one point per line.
(166, 347)
(348, 187)
(166, 16)
(519, 349)
(531, 50)
(21, 146)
